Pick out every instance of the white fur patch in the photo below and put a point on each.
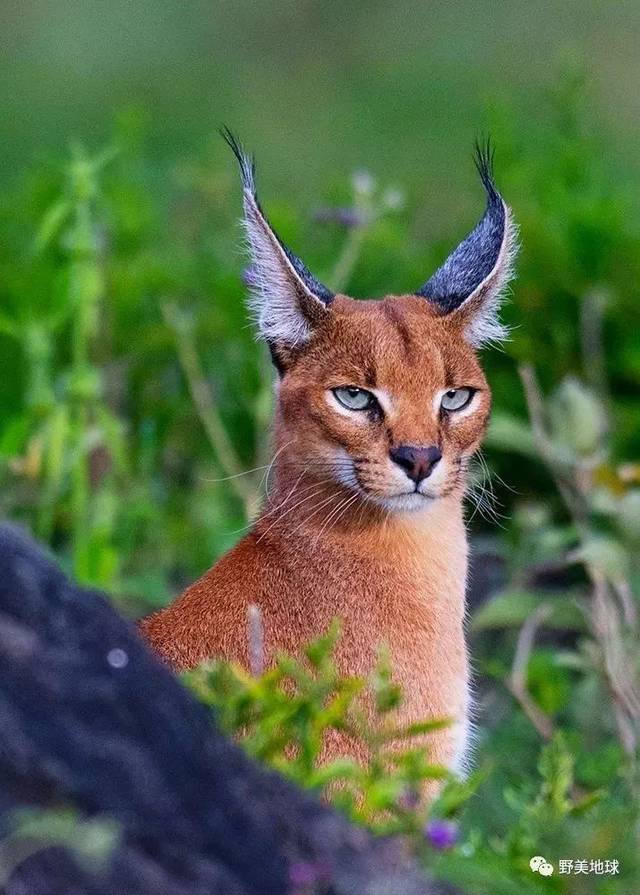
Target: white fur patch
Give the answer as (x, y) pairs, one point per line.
(455, 414)
(276, 289)
(384, 399)
(483, 305)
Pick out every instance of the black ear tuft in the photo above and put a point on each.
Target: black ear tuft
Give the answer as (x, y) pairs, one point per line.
(484, 156)
(246, 162)
(476, 256)
(481, 266)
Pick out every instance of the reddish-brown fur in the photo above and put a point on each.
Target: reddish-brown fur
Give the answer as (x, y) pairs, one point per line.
(393, 574)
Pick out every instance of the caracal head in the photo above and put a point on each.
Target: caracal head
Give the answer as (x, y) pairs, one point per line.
(385, 398)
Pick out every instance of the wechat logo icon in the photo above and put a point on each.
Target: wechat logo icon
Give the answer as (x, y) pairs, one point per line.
(541, 865)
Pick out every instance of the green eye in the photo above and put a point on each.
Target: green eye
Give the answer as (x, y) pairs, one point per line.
(456, 398)
(354, 398)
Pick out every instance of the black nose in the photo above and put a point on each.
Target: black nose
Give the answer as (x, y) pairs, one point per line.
(417, 462)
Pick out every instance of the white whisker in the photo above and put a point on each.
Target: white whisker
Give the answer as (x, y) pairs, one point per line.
(278, 506)
(265, 478)
(313, 494)
(315, 510)
(339, 510)
(483, 496)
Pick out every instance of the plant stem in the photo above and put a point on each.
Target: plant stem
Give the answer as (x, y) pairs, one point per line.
(535, 406)
(348, 258)
(605, 617)
(592, 310)
(352, 246)
(206, 409)
(517, 682)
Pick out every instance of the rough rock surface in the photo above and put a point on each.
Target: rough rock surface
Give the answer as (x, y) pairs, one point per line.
(90, 719)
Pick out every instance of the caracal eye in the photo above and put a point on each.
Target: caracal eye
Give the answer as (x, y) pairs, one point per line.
(456, 398)
(354, 398)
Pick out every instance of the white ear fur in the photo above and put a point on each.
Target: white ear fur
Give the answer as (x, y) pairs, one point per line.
(480, 311)
(283, 304)
(286, 299)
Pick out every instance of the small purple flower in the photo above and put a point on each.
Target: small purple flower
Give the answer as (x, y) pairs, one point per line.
(441, 833)
(305, 874)
(409, 800)
(346, 217)
(302, 873)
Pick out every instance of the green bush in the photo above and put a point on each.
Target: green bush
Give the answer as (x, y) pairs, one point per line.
(283, 715)
(134, 399)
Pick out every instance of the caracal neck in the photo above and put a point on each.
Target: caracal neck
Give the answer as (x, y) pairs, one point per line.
(319, 516)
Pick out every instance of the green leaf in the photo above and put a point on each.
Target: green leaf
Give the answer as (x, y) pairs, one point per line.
(51, 223)
(577, 417)
(340, 769)
(320, 650)
(457, 792)
(13, 436)
(628, 509)
(606, 555)
(418, 729)
(510, 609)
(509, 433)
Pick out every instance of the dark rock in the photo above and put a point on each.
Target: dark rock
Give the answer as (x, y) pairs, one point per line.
(91, 720)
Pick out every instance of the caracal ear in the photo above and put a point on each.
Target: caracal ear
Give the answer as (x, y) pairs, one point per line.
(286, 299)
(470, 284)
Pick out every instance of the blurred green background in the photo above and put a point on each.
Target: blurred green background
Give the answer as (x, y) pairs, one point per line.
(132, 388)
(318, 88)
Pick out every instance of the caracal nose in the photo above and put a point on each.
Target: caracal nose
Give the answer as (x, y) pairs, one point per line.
(417, 462)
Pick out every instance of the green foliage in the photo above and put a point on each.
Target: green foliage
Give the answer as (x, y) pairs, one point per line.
(134, 411)
(31, 829)
(548, 816)
(283, 717)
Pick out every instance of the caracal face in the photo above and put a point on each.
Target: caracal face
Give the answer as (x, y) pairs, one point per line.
(378, 383)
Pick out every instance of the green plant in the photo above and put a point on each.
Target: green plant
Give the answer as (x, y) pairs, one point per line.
(128, 370)
(71, 441)
(30, 830)
(283, 715)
